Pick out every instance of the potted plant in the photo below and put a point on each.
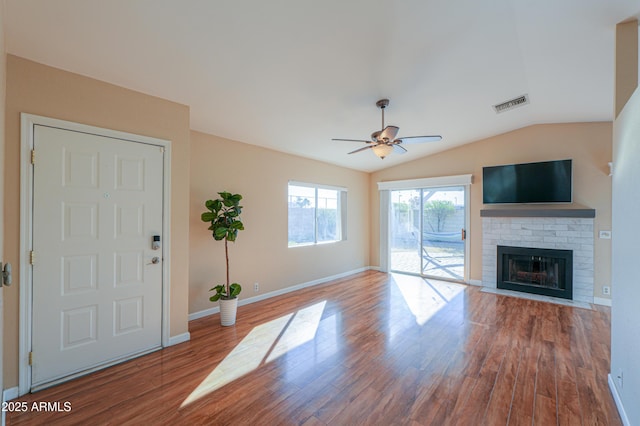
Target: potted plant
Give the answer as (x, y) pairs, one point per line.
(224, 216)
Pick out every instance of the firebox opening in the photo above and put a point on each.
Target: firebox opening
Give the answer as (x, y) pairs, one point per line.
(533, 270)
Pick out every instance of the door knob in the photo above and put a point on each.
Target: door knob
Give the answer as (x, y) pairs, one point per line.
(155, 260)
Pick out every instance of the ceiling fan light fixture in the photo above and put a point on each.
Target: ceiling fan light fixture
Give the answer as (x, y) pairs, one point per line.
(382, 150)
(383, 142)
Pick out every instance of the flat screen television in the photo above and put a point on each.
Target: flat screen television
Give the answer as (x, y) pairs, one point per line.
(543, 182)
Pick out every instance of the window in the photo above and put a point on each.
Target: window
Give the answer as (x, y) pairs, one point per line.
(317, 214)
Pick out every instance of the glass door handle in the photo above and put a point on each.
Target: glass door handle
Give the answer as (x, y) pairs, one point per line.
(463, 234)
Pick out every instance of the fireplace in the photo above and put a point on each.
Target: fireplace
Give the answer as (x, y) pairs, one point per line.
(532, 270)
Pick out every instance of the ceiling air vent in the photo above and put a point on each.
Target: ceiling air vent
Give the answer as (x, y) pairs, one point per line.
(511, 104)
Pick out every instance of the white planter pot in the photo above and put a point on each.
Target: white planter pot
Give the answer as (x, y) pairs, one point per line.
(228, 309)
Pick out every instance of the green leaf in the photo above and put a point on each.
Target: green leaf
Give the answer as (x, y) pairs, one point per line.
(220, 231)
(236, 224)
(220, 291)
(207, 216)
(235, 289)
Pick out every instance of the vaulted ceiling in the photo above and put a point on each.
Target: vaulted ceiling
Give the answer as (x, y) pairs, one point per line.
(292, 74)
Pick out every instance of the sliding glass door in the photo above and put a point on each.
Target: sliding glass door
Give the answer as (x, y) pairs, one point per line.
(404, 226)
(427, 232)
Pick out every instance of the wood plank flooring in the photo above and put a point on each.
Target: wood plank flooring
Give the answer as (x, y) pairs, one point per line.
(372, 349)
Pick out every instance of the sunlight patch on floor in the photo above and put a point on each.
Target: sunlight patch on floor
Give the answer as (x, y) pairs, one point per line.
(265, 343)
(423, 297)
(301, 329)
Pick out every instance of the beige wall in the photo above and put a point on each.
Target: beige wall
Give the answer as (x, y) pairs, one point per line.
(261, 254)
(588, 144)
(50, 92)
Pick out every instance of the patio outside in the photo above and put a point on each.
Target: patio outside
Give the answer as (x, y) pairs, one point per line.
(441, 259)
(426, 228)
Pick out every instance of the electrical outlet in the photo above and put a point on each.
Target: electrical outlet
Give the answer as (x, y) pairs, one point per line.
(256, 287)
(606, 290)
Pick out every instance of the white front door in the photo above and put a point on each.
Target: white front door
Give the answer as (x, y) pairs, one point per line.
(97, 289)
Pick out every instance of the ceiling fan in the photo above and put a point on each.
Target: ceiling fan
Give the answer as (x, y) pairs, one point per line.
(384, 141)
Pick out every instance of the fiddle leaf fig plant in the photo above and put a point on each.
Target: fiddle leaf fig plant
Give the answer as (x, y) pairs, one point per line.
(223, 214)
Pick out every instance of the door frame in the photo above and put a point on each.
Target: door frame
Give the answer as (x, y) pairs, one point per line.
(385, 188)
(28, 121)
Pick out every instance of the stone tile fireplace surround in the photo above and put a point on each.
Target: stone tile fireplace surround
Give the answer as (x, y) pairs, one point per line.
(566, 229)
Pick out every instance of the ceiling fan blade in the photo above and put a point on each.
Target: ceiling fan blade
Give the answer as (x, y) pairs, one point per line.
(398, 149)
(420, 139)
(389, 133)
(352, 140)
(361, 149)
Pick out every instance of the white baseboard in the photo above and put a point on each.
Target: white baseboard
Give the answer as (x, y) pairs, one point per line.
(204, 313)
(618, 401)
(180, 338)
(476, 282)
(602, 301)
(9, 394)
(241, 302)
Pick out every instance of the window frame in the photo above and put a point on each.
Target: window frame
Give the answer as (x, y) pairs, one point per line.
(341, 213)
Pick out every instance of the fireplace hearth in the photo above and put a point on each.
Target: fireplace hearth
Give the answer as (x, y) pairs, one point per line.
(534, 270)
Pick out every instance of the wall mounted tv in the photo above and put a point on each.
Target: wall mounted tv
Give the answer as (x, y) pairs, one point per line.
(543, 182)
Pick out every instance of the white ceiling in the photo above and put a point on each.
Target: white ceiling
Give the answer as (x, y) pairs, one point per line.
(292, 74)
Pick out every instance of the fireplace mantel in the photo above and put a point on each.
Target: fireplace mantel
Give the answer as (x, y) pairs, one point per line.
(539, 212)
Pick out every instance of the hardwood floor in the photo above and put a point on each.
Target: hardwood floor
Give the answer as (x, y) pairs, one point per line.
(371, 349)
